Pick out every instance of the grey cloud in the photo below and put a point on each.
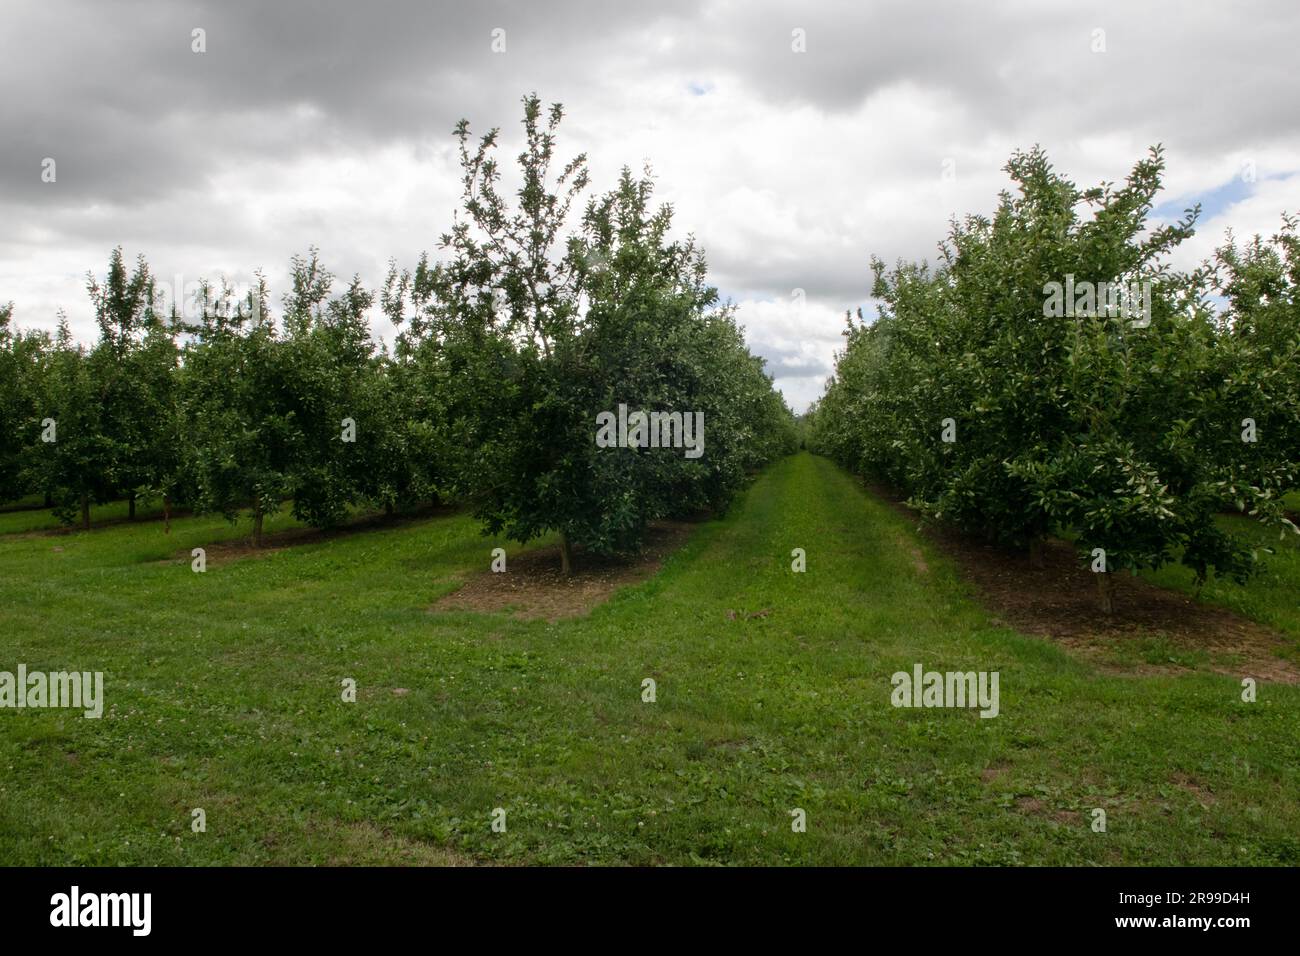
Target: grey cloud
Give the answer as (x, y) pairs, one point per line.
(1017, 65)
(117, 97)
(174, 154)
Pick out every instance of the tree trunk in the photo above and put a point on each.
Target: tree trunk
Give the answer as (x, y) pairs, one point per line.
(49, 499)
(130, 507)
(257, 521)
(388, 507)
(1037, 552)
(85, 512)
(1105, 592)
(566, 555)
(167, 514)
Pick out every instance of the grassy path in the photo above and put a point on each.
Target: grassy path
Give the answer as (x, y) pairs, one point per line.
(223, 693)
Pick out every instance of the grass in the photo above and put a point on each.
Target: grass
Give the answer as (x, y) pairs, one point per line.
(223, 693)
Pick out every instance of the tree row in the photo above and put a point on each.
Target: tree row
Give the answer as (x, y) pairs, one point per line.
(545, 313)
(1053, 374)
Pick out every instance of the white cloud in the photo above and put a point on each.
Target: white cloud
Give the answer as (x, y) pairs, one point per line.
(792, 170)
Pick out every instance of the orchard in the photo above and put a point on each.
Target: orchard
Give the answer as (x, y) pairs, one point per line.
(1003, 395)
(543, 312)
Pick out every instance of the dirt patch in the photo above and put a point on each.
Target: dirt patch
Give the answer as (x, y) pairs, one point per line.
(994, 771)
(733, 614)
(1153, 630)
(1037, 807)
(535, 589)
(96, 524)
(918, 559)
(18, 509)
(363, 844)
(221, 551)
(1193, 786)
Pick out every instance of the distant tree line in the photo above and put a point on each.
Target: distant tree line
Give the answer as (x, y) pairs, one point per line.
(1018, 390)
(538, 317)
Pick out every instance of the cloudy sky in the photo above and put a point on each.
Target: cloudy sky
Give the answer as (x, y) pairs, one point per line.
(795, 140)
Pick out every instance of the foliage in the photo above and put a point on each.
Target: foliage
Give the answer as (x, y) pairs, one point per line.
(543, 315)
(532, 327)
(1120, 430)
